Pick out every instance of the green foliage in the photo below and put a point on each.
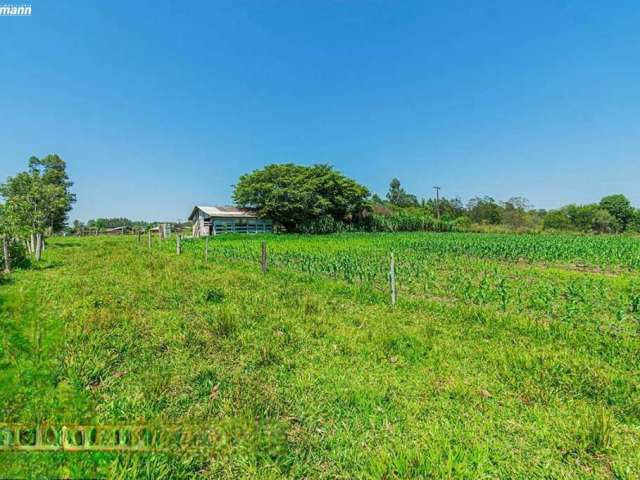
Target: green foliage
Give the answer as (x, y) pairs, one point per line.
(405, 221)
(399, 197)
(619, 207)
(17, 253)
(292, 195)
(613, 214)
(634, 225)
(53, 172)
(484, 210)
(449, 208)
(604, 222)
(323, 224)
(35, 202)
(516, 214)
(557, 220)
(30, 201)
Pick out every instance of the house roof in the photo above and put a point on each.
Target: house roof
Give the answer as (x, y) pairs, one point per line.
(223, 211)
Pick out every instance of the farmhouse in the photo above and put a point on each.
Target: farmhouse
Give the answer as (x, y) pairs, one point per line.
(217, 220)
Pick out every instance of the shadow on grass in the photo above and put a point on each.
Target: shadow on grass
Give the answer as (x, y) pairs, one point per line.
(65, 244)
(46, 265)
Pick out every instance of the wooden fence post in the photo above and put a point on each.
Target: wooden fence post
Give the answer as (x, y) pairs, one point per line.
(6, 254)
(206, 248)
(149, 234)
(139, 233)
(263, 261)
(178, 244)
(392, 280)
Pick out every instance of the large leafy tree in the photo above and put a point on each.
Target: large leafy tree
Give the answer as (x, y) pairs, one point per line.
(294, 194)
(620, 208)
(53, 172)
(31, 201)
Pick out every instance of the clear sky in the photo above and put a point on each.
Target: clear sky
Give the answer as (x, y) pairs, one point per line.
(157, 106)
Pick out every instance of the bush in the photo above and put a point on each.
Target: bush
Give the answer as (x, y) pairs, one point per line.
(604, 222)
(17, 253)
(557, 220)
(462, 223)
(324, 224)
(403, 221)
(399, 221)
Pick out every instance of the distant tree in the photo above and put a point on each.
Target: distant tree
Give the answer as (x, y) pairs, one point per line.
(604, 222)
(484, 210)
(293, 195)
(450, 208)
(116, 222)
(518, 203)
(515, 213)
(53, 171)
(581, 216)
(399, 197)
(620, 208)
(31, 202)
(557, 220)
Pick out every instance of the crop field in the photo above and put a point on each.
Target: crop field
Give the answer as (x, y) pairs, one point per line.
(505, 356)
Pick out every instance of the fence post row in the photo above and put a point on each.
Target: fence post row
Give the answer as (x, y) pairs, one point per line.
(263, 260)
(392, 280)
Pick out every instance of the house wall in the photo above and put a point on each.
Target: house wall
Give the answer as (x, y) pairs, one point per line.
(204, 225)
(241, 225)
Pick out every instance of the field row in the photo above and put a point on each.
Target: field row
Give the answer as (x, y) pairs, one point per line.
(597, 252)
(452, 268)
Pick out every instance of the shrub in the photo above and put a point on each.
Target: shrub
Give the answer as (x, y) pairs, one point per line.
(403, 221)
(324, 224)
(16, 252)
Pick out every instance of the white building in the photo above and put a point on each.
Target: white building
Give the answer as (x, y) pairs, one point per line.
(216, 220)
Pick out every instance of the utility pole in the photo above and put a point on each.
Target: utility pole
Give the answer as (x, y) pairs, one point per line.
(437, 189)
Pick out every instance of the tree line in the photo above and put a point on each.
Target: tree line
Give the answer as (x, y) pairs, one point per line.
(613, 214)
(36, 203)
(319, 199)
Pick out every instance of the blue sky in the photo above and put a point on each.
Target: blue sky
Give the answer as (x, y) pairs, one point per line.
(157, 106)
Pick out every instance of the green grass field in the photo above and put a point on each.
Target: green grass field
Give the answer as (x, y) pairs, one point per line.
(505, 357)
